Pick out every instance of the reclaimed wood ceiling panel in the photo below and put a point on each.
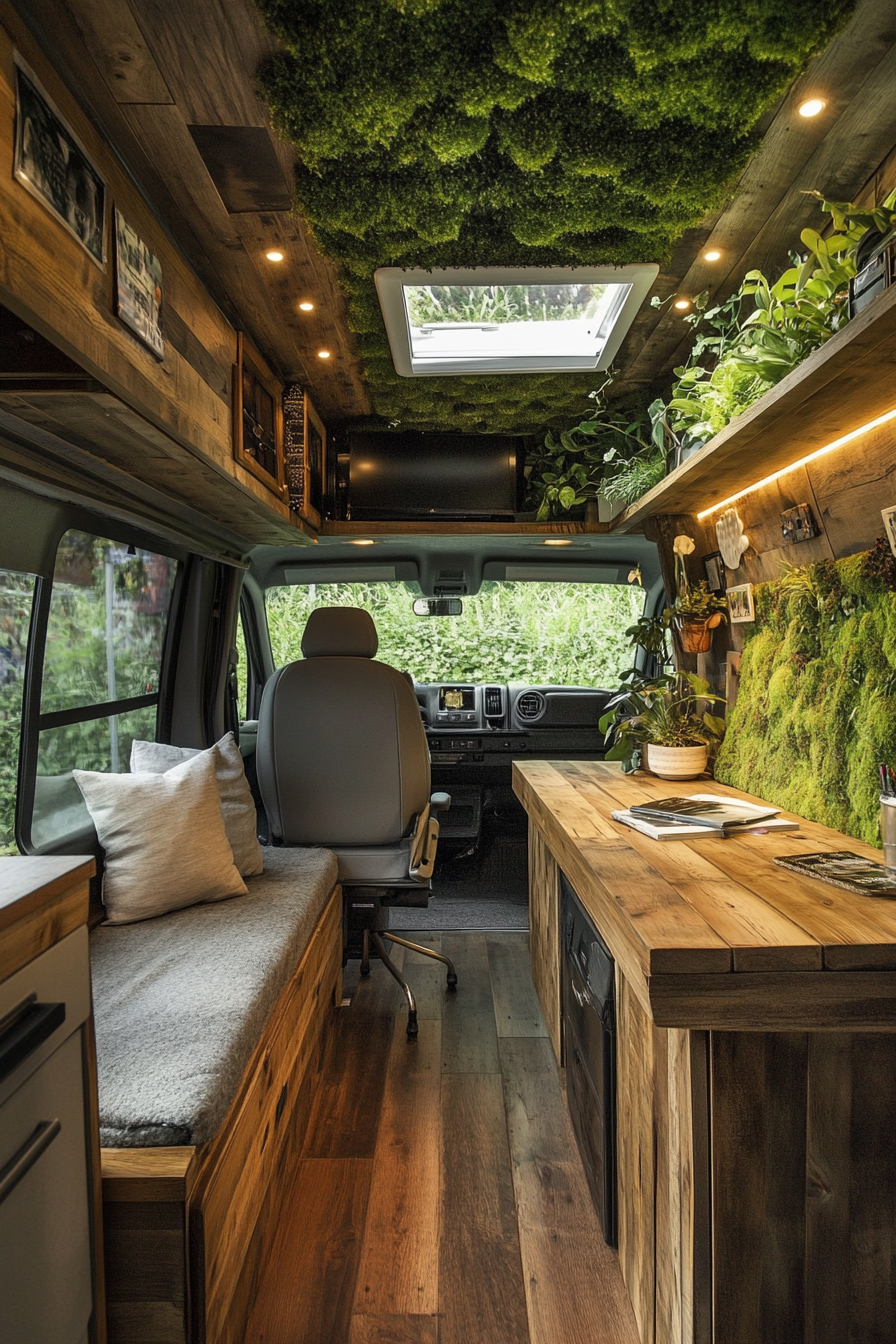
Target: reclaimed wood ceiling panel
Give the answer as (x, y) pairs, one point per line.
(151, 70)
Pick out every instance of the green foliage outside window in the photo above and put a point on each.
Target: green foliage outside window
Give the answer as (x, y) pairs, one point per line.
(541, 633)
(438, 133)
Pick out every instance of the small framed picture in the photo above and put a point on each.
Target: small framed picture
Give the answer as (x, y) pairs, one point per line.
(258, 418)
(889, 517)
(51, 163)
(138, 286)
(740, 603)
(714, 568)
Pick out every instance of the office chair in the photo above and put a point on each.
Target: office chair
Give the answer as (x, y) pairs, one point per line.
(343, 762)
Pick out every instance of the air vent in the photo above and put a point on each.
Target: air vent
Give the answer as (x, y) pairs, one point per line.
(530, 706)
(494, 702)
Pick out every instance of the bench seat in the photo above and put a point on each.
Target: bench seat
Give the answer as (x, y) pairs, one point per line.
(210, 1025)
(181, 1001)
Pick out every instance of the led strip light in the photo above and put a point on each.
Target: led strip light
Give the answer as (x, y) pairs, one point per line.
(801, 462)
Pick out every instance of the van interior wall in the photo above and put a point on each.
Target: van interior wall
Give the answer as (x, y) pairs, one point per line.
(845, 491)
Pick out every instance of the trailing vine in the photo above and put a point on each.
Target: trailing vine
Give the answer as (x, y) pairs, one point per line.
(438, 133)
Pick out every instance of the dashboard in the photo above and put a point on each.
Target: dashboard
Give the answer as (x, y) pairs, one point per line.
(474, 730)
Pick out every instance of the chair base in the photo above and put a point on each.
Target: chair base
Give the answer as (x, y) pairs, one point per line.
(376, 937)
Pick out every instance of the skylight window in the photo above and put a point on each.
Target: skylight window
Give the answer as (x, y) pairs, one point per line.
(509, 319)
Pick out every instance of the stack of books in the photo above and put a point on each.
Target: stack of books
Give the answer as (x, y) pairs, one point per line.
(703, 814)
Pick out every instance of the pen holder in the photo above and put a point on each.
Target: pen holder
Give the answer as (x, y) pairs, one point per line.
(888, 829)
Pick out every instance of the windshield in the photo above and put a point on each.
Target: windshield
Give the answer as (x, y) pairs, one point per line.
(560, 634)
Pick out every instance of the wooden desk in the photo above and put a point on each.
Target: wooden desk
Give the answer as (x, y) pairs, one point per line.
(756, 1037)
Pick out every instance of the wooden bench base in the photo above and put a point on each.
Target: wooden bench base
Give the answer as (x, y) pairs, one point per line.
(187, 1230)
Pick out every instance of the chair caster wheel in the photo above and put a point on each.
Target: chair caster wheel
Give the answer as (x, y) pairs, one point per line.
(452, 981)
(413, 1029)
(365, 968)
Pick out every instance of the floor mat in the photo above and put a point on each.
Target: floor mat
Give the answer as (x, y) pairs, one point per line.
(488, 890)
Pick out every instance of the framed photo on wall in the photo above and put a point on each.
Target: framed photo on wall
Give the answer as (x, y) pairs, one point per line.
(714, 569)
(315, 455)
(258, 417)
(138, 286)
(740, 604)
(51, 163)
(889, 517)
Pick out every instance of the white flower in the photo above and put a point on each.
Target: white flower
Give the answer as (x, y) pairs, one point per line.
(683, 544)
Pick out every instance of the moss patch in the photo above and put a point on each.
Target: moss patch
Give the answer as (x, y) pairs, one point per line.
(439, 133)
(816, 709)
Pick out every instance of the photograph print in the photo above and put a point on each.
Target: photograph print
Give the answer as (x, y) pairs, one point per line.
(714, 569)
(889, 517)
(51, 164)
(138, 286)
(740, 603)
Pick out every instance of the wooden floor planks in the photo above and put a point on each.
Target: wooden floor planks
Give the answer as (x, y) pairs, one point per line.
(439, 1198)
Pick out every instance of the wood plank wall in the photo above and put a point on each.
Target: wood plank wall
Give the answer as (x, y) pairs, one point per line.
(51, 282)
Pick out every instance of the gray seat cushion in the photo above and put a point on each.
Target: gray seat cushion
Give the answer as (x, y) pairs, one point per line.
(180, 1001)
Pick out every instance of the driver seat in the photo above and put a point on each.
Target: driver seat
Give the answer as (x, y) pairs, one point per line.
(343, 763)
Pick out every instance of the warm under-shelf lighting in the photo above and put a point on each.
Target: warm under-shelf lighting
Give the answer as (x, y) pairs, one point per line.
(802, 461)
(306, 306)
(811, 107)
(274, 255)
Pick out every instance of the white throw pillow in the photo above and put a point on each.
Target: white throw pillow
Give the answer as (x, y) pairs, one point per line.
(164, 839)
(237, 803)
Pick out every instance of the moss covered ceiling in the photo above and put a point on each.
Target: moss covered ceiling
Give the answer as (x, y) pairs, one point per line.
(518, 132)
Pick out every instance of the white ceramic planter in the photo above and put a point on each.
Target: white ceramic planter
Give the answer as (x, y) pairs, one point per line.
(676, 762)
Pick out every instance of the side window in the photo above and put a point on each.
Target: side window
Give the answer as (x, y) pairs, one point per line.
(16, 597)
(242, 672)
(102, 662)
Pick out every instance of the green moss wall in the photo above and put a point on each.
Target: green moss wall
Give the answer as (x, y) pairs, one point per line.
(816, 709)
(438, 133)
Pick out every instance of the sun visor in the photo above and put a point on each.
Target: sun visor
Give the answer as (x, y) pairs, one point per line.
(567, 573)
(403, 571)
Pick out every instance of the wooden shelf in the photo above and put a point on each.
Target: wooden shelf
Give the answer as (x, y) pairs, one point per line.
(448, 529)
(847, 383)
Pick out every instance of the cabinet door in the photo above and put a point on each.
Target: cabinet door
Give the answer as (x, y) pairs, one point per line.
(45, 1275)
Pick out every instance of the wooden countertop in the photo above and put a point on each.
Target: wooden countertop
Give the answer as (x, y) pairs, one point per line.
(43, 898)
(709, 932)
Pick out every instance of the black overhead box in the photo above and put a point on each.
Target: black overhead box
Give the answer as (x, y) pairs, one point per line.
(417, 476)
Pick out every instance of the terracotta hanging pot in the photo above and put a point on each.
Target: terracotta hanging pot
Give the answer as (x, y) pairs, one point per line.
(696, 636)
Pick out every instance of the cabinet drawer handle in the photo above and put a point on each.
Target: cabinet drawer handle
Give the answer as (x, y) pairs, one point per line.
(32, 1024)
(21, 1162)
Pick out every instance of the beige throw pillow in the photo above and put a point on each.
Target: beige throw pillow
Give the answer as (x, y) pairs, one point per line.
(237, 803)
(163, 837)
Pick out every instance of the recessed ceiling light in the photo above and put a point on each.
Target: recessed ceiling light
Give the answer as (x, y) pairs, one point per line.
(323, 354)
(274, 255)
(682, 303)
(812, 107)
(362, 541)
(307, 306)
(711, 256)
(557, 541)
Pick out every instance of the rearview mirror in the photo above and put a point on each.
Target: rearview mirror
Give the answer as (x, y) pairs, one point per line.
(438, 606)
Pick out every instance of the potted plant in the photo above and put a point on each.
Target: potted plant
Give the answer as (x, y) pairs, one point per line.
(697, 611)
(662, 723)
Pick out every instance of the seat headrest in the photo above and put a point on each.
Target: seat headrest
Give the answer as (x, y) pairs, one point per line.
(339, 632)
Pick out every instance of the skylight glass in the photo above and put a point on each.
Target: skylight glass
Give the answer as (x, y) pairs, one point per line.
(508, 320)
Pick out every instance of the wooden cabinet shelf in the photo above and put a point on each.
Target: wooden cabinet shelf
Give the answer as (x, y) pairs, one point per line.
(844, 385)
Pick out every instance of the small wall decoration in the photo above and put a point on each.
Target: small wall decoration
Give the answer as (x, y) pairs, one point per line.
(797, 524)
(732, 542)
(138, 286)
(258, 418)
(714, 568)
(740, 603)
(51, 163)
(889, 517)
(294, 444)
(315, 457)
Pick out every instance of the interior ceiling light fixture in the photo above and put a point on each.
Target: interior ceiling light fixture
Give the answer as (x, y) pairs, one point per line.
(802, 461)
(462, 320)
(557, 541)
(811, 107)
(362, 541)
(682, 304)
(711, 256)
(274, 255)
(323, 354)
(306, 306)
